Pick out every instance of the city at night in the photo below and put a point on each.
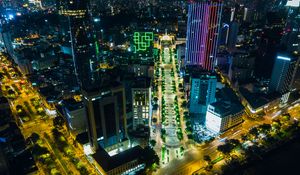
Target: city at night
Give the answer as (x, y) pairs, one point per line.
(149, 87)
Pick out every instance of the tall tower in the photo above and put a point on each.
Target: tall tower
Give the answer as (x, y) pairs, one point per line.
(82, 41)
(203, 90)
(283, 74)
(204, 17)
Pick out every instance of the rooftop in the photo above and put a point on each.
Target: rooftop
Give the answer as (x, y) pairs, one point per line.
(227, 103)
(109, 163)
(141, 82)
(257, 100)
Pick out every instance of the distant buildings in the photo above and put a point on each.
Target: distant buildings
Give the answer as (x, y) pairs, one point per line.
(225, 113)
(83, 41)
(203, 90)
(203, 27)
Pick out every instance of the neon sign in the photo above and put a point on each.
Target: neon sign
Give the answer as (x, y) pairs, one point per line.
(142, 41)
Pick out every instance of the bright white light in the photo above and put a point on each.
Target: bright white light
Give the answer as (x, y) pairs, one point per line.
(10, 16)
(293, 3)
(213, 122)
(87, 149)
(97, 20)
(283, 58)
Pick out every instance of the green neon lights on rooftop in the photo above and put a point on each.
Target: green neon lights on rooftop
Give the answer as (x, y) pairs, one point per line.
(142, 41)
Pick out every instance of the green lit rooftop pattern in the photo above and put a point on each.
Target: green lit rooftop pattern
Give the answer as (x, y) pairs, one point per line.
(142, 41)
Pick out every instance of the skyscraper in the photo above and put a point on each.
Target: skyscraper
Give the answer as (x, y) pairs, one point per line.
(82, 41)
(283, 74)
(106, 116)
(5, 38)
(203, 90)
(204, 17)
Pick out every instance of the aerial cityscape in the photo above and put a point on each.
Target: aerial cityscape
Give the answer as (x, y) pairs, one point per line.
(149, 87)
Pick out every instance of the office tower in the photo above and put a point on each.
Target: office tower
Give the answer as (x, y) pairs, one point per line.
(203, 25)
(82, 41)
(5, 38)
(283, 74)
(233, 34)
(203, 90)
(106, 119)
(141, 103)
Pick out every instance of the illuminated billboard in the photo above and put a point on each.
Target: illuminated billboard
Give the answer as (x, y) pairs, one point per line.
(143, 42)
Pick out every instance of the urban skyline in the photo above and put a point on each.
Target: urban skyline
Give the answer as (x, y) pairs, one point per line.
(149, 87)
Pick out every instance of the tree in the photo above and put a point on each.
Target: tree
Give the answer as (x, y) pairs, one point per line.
(207, 158)
(225, 149)
(34, 137)
(232, 167)
(58, 121)
(244, 137)
(266, 128)
(234, 142)
(184, 104)
(150, 157)
(254, 132)
(37, 150)
(152, 143)
(180, 85)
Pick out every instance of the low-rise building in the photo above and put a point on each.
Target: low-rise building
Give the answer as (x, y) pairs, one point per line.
(225, 113)
(75, 115)
(126, 162)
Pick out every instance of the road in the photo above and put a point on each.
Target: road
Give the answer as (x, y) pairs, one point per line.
(29, 110)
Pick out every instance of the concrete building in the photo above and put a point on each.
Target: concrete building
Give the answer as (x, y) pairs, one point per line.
(75, 115)
(106, 111)
(225, 113)
(141, 103)
(283, 74)
(203, 27)
(203, 89)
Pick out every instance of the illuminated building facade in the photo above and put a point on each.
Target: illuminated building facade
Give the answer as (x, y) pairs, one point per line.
(141, 103)
(221, 116)
(283, 74)
(143, 44)
(203, 90)
(203, 27)
(225, 113)
(106, 119)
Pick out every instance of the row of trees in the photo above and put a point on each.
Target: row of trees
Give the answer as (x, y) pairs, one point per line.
(42, 155)
(257, 142)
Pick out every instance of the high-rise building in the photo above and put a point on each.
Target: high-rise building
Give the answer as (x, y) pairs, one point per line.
(5, 38)
(203, 27)
(141, 103)
(106, 113)
(203, 90)
(283, 74)
(82, 41)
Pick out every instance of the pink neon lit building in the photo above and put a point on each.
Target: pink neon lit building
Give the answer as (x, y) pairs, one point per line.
(204, 17)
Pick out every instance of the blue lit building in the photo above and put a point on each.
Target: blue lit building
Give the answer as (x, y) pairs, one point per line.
(283, 74)
(203, 90)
